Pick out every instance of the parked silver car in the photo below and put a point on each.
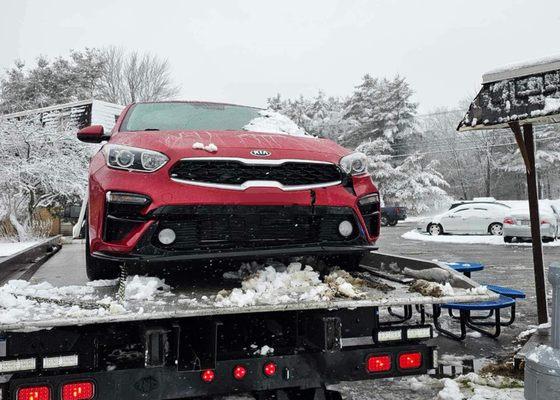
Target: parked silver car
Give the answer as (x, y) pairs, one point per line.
(517, 224)
(467, 218)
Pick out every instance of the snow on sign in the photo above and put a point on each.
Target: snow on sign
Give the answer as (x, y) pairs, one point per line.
(524, 92)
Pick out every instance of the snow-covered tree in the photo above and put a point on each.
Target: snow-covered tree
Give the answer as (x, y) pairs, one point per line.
(42, 166)
(108, 74)
(419, 185)
(380, 109)
(320, 116)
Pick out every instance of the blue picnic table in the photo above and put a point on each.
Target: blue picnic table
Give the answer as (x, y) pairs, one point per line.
(465, 267)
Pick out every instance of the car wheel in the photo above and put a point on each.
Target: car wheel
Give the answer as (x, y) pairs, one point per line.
(393, 222)
(435, 229)
(99, 269)
(384, 220)
(496, 229)
(508, 239)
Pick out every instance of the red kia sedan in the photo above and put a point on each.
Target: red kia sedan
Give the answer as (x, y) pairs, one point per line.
(179, 182)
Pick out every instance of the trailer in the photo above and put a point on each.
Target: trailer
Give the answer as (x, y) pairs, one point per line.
(92, 343)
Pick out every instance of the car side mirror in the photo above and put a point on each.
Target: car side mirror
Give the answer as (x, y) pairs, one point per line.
(92, 134)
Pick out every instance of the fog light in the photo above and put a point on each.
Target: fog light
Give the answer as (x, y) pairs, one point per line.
(167, 236)
(345, 228)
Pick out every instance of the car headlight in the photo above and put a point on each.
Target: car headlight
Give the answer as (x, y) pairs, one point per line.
(133, 159)
(354, 164)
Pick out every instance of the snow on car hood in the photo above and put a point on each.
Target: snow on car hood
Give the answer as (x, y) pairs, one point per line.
(179, 144)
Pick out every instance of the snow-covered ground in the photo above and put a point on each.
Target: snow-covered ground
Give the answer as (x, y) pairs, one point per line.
(7, 248)
(467, 239)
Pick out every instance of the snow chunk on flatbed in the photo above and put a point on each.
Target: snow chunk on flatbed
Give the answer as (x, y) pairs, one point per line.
(271, 121)
(294, 284)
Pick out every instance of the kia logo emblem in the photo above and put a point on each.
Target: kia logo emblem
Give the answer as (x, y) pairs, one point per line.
(260, 153)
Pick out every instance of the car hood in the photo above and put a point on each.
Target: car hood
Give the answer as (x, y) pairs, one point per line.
(179, 144)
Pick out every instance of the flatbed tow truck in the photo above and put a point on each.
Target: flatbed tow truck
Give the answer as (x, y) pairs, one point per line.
(90, 343)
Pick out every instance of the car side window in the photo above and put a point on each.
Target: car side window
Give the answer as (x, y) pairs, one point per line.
(461, 210)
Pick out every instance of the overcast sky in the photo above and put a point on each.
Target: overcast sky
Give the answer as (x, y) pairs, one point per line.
(246, 51)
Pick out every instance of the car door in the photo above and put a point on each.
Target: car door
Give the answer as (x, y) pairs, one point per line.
(452, 220)
(481, 219)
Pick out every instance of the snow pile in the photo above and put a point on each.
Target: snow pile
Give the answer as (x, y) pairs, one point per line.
(287, 285)
(21, 300)
(210, 148)
(7, 249)
(144, 288)
(271, 121)
(262, 351)
(432, 289)
(467, 239)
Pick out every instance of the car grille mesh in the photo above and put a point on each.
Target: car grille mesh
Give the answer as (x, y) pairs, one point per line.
(225, 227)
(231, 172)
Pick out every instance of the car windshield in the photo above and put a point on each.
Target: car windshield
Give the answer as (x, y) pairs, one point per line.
(176, 116)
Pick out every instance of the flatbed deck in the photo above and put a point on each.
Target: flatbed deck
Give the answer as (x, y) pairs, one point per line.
(36, 307)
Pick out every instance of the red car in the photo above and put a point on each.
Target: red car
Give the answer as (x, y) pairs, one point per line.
(178, 182)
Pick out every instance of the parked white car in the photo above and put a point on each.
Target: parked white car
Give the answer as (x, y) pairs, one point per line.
(517, 224)
(470, 218)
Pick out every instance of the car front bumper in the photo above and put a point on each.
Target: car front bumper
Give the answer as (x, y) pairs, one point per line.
(178, 204)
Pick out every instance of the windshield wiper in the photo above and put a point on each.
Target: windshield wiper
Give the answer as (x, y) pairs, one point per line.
(150, 129)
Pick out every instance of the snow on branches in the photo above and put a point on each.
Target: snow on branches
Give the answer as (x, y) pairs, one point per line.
(42, 166)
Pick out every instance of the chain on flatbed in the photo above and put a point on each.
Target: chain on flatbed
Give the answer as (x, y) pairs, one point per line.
(88, 305)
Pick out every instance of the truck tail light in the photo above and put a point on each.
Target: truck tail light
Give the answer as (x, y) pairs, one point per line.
(207, 375)
(410, 360)
(509, 221)
(34, 393)
(378, 363)
(78, 391)
(239, 372)
(269, 369)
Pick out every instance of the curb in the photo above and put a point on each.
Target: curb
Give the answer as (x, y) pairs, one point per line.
(23, 264)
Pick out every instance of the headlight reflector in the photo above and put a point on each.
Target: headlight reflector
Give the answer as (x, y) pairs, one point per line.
(133, 159)
(354, 164)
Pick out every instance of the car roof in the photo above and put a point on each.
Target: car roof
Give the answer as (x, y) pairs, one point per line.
(471, 202)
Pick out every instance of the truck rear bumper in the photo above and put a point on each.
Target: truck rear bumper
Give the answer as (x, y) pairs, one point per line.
(303, 371)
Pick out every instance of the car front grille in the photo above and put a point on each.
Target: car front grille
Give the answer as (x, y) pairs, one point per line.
(232, 172)
(234, 227)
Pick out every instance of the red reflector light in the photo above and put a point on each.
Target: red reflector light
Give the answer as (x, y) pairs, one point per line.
(378, 363)
(207, 375)
(78, 391)
(410, 360)
(269, 369)
(239, 372)
(34, 393)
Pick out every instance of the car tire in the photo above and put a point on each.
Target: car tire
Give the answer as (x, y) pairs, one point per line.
(435, 229)
(99, 269)
(393, 222)
(384, 220)
(496, 229)
(508, 239)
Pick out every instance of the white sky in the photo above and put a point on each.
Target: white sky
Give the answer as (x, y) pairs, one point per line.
(246, 51)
